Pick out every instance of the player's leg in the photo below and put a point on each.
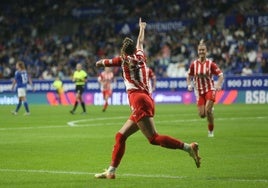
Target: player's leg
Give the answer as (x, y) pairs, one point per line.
(105, 97)
(144, 111)
(146, 125)
(210, 118)
(25, 103)
(81, 99)
(201, 102)
(129, 128)
(210, 96)
(26, 106)
(58, 97)
(15, 112)
(20, 95)
(77, 97)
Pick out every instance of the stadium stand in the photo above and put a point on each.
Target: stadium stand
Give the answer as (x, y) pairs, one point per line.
(52, 36)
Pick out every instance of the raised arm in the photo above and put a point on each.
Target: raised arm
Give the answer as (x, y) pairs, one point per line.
(140, 38)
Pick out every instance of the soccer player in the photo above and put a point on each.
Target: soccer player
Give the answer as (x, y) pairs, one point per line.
(21, 80)
(201, 71)
(133, 63)
(58, 85)
(80, 79)
(106, 78)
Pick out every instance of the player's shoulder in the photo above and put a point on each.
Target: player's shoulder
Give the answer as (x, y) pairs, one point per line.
(210, 60)
(194, 62)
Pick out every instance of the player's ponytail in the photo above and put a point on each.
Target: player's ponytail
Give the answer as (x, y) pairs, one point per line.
(128, 46)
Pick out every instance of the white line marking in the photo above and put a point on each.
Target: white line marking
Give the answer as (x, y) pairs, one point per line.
(34, 127)
(76, 123)
(131, 175)
(89, 173)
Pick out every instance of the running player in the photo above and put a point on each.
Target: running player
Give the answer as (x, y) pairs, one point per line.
(106, 78)
(201, 71)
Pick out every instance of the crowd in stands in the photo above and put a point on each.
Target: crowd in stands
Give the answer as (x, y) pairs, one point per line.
(51, 37)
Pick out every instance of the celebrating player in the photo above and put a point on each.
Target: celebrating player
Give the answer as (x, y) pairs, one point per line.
(133, 63)
(21, 80)
(201, 71)
(80, 79)
(106, 78)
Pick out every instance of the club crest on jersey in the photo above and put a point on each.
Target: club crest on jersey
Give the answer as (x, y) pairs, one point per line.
(132, 63)
(201, 75)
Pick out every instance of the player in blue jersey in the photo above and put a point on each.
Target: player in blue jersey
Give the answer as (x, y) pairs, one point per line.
(21, 80)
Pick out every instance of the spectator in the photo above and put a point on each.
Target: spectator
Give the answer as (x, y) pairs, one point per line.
(246, 71)
(264, 66)
(46, 43)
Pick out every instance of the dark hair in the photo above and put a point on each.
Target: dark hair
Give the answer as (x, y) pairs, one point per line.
(128, 46)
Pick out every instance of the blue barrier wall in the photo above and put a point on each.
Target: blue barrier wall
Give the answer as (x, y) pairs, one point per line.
(248, 90)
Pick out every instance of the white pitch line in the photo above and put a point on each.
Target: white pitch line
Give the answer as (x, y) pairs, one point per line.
(89, 173)
(131, 175)
(76, 123)
(73, 123)
(33, 127)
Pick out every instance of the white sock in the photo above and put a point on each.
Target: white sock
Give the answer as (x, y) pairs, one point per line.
(111, 169)
(186, 147)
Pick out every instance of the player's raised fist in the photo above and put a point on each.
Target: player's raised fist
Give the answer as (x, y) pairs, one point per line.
(142, 24)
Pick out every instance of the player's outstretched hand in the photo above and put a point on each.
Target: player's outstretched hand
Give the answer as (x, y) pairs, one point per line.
(100, 63)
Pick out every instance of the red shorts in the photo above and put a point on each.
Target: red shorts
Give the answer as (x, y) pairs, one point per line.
(107, 93)
(202, 99)
(141, 104)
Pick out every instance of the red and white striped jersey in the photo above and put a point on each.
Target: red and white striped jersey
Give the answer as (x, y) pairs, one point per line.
(134, 70)
(106, 79)
(202, 73)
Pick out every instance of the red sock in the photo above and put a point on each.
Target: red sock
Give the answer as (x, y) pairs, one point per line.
(210, 127)
(119, 149)
(166, 141)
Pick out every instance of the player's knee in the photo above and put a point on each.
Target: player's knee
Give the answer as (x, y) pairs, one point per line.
(120, 138)
(153, 140)
(202, 115)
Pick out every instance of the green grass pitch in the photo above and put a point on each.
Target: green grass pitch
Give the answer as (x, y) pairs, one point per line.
(52, 148)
